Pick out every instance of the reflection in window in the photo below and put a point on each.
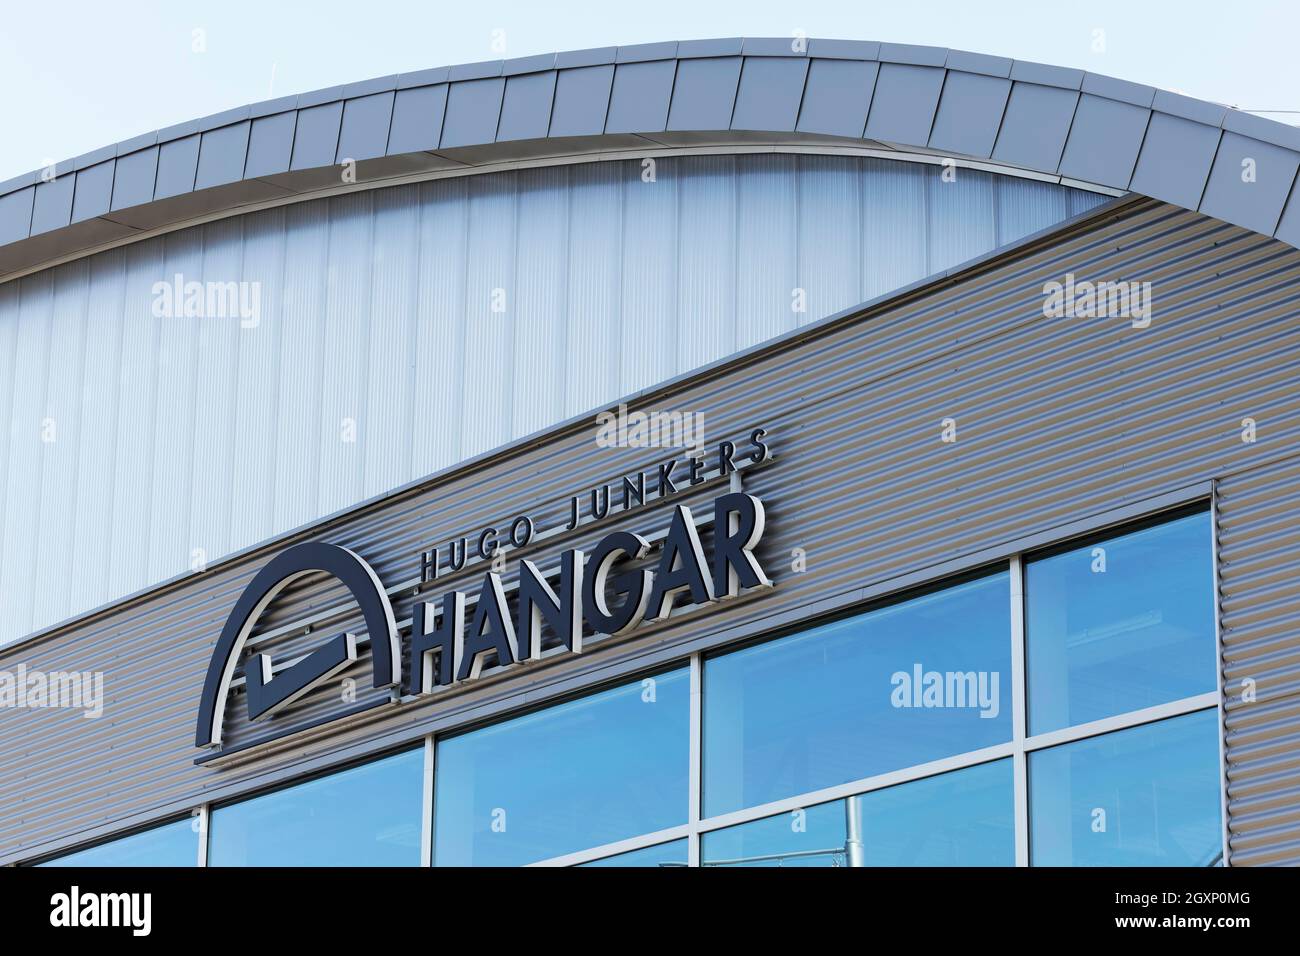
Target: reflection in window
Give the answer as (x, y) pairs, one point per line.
(1146, 796)
(172, 844)
(962, 818)
(365, 816)
(672, 854)
(896, 686)
(597, 770)
(1120, 624)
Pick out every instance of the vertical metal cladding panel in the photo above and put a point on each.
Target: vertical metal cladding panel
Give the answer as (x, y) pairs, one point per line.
(542, 335)
(1057, 420)
(961, 218)
(767, 206)
(216, 386)
(390, 360)
(706, 264)
(60, 434)
(1025, 206)
(345, 327)
(300, 315)
(894, 225)
(92, 539)
(22, 512)
(439, 345)
(376, 356)
(829, 235)
(650, 272)
(490, 296)
(594, 327)
(1259, 541)
(257, 379)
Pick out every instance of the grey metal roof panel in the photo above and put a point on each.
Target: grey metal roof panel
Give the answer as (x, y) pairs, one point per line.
(913, 54)
(1288, 228)
(641, 52)
(1199, 111)
(1104, 141)
(528, 64)
(1046, 75)
(473, 108)
(135, 143)
(693, 49)
(320, 97)
(270, 145)
(1135, 93)
(771, 89)
(430, 77)
(1175, 159)
(526, 107)
(380, 84)
(270, 107)
(364, 132)
(52, 207)
(704, 94)
(178, 162)
(1053, 120)
(774, 46)
(582, 100)
(844, 49)
(970, 112)
(1249, 182)
(134, 178)
(222, 155)
(317, 136)
(836, 97)
(476, 71)
(1257, 127)
(640, 97)
(594, 57)
(903, 107)
(979, 63)
(16, 214)
(93, 195)
(417, 119)
(93, 158)
(1035, 126)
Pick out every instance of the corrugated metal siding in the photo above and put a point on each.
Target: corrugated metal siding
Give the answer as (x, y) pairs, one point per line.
(406, 329)
(1057, 419)
(1259, 549)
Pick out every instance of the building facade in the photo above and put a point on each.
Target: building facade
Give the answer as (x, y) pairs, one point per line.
(716, 453)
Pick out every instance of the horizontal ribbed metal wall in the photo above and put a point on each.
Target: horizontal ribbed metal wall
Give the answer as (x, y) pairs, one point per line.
(1057, 419)
(405, 329)
(1259, 572)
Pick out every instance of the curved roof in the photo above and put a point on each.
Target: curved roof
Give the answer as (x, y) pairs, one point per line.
(1069, 125)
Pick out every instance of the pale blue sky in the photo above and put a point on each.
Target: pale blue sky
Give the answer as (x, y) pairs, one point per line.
(78, 75)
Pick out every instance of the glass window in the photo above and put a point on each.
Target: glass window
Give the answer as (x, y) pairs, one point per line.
(962, 818)
(1146, 796)
(1120, 624)
(672, 854)
(899, 685)
(172, 844)
(593, 771)
(365, 816)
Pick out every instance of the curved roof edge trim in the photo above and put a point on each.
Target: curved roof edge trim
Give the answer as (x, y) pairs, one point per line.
(1066, 123)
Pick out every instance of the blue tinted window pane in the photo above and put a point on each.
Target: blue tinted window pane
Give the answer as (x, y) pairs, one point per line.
(597, 770)
(1148, 796)
(663, 855)
(365, 816)
(896, 686)
(963, 818)
(172, 844)
(811, 837)
(1121, 624)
